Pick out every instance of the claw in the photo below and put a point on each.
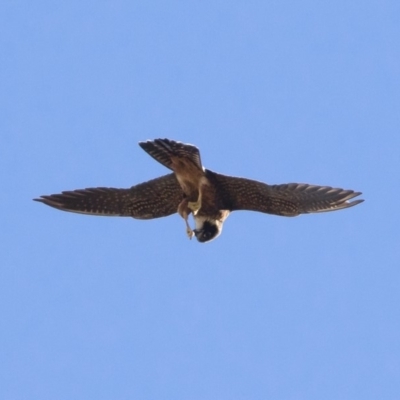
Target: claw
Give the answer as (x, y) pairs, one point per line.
(189, 232)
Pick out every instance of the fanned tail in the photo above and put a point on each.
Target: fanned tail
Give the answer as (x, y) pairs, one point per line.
(164, 150)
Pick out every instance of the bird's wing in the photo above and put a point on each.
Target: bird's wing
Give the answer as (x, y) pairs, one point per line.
(164, 150)
(159, 197)
(288, 200)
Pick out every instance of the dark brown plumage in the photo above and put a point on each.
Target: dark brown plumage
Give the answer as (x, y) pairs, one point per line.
(209, 196)
(152, 199)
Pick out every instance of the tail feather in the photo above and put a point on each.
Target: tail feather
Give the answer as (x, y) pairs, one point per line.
(163, 150)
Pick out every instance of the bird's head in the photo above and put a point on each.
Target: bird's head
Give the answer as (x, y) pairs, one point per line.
(207, 230)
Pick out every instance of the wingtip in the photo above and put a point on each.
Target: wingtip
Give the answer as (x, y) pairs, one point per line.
(49, 201)
(355, 202)
(347, 203)
(41, 199)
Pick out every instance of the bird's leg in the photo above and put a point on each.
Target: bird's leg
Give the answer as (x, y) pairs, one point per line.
(184, 211)
(196, 205)
(189, 230)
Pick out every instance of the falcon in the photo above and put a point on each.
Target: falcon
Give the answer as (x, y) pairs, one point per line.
(191, 189)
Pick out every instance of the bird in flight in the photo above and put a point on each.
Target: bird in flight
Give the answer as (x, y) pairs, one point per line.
(191, 189)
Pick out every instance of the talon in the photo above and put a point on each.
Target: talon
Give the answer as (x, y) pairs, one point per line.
(190, 233)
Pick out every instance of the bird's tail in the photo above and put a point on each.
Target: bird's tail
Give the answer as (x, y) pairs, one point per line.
(165, 150)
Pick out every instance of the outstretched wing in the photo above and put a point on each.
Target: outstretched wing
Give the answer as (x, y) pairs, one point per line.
(157, 198)
(288, 200)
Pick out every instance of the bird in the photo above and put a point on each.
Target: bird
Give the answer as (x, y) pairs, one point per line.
(192, 189)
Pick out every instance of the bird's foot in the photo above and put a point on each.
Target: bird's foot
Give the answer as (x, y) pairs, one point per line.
(194, 206)
(189, 232)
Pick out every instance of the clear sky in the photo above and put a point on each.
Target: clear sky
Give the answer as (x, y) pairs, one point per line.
(275, 308)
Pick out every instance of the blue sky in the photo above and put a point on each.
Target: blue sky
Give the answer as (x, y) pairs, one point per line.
(281, 91)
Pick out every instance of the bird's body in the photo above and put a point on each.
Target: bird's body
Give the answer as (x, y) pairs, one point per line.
(209, 196)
